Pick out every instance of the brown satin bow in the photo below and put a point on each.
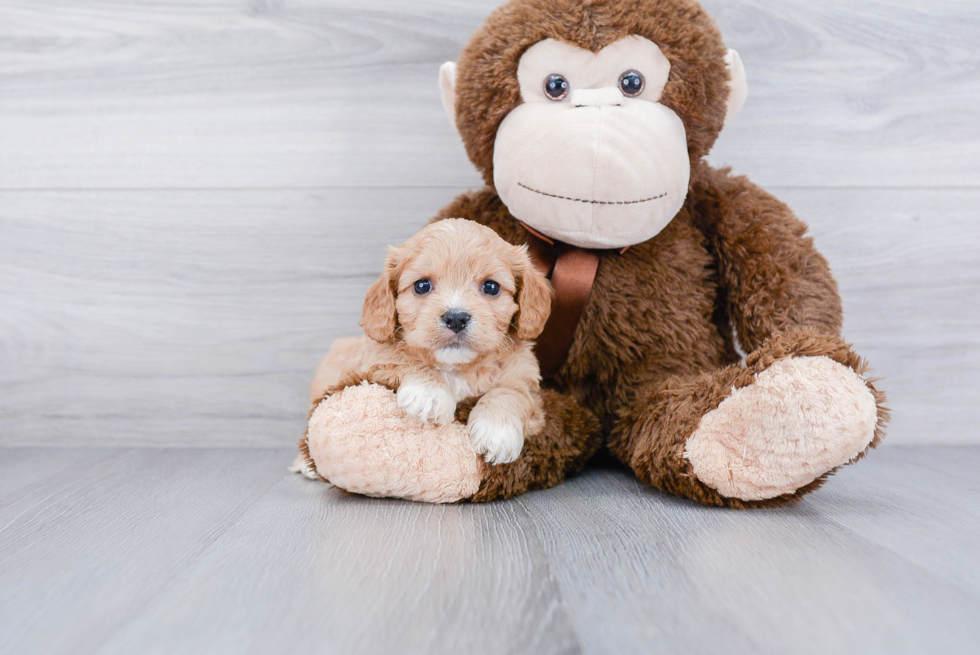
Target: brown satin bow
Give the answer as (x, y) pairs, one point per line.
(572, 271)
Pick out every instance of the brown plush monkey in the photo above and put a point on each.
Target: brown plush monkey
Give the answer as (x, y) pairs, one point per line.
(589, 120)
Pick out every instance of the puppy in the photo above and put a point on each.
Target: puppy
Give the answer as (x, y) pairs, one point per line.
(449, 321)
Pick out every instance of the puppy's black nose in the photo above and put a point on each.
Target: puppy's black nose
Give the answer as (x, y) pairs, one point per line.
(456, 320)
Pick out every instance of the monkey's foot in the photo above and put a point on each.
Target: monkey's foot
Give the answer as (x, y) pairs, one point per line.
(800, 418)
(362, 442)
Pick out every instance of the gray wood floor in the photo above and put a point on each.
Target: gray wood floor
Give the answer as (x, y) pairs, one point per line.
(218, 551)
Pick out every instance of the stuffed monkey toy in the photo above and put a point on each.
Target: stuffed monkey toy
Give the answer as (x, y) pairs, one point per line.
(590, 121)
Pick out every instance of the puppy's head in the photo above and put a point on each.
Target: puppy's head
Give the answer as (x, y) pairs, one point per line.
(458, 291)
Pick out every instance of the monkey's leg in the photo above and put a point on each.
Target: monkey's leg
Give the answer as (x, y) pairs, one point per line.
(759, 434)
(360, 441)
(344, 355)
(571, 436)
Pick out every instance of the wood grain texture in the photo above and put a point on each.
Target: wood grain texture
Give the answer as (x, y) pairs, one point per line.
(908, 273)
(360, 575)
(224, 93)
(196, 317)
(222, 551)
(182, 317)
(638, 569)
(192, 316)
(901, 515)
(87, 542)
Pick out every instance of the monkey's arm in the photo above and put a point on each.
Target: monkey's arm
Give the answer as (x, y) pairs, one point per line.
(771, 276)
(770, 429)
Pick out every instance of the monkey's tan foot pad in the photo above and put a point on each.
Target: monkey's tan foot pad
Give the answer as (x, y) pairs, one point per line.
(801, 418)
(363, 443)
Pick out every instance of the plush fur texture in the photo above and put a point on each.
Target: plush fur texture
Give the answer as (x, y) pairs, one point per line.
(487, 358)
(757, 444)
(432, 368)
(568, 439)
(655, 352)
(358, 439)
(487, 87)
(605, 190)
(653, 371)
(362, 442)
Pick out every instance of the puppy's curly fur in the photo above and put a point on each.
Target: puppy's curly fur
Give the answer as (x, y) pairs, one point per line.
(487, 365)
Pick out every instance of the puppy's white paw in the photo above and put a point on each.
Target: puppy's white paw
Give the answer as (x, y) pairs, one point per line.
(427, 402)
(498, 439)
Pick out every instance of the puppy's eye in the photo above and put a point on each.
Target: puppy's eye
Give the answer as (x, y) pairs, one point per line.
(631, 83)
(423, 287)
(491, 288)
(556, 87)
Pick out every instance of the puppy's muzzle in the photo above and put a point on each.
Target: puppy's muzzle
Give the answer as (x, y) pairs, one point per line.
(456, 320)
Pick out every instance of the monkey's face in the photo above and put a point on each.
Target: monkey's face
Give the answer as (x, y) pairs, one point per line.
(586, 116)
(591, 157)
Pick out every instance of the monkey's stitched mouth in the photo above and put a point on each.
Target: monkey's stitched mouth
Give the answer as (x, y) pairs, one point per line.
(593, 202)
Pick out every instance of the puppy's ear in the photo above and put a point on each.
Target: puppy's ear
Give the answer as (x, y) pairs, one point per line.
(379, 317)
(533, 296)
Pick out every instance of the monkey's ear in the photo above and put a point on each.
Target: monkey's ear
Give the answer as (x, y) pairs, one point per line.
(533, 297)
(447, 86)
(379, 317)
(738, 89)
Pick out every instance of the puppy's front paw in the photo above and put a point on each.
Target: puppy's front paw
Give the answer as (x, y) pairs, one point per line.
(427, 402)
(498, 439)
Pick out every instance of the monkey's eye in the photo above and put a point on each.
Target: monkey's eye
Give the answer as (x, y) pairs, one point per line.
(556, 87)
(631, 83)
(423, 287)
(491, 288)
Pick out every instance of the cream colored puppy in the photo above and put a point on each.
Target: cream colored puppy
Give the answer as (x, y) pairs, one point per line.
(449, 321)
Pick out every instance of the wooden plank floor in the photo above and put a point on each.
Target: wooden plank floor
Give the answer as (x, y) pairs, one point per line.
(221, 551)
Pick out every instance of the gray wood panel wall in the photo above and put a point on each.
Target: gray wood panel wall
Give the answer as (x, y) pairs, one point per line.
(194, 196)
